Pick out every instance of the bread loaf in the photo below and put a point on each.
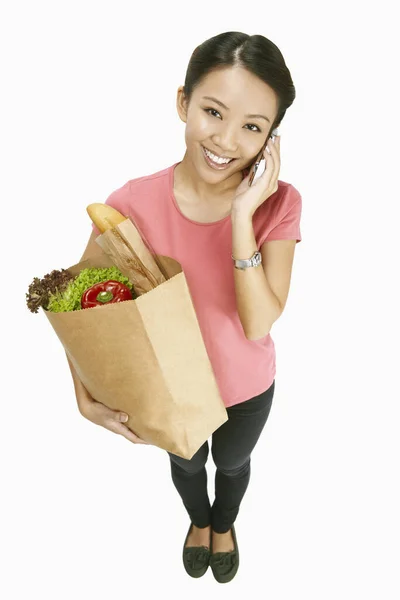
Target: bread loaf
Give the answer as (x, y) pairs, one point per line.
(104, 217)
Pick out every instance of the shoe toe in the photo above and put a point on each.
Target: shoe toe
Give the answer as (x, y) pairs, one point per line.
(224, 565)
(195, 558)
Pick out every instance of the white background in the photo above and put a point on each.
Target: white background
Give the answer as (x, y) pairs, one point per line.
(88, 102)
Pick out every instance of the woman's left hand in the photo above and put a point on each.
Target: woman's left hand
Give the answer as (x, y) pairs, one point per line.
(248, 199)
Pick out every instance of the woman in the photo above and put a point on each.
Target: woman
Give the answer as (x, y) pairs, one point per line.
(203, 212)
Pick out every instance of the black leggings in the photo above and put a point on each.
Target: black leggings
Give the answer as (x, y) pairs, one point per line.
(232, 444)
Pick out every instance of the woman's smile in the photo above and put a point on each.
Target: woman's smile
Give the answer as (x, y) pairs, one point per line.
(215, 162)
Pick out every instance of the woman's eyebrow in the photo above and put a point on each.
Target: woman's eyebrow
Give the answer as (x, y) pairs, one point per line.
(226, 108)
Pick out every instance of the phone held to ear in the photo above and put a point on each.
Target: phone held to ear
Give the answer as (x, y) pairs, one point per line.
(258, 167)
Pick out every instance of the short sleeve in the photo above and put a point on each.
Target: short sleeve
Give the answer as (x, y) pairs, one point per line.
(286, 225)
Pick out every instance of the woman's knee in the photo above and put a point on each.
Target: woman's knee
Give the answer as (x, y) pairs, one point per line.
(193, 465)
(231, 466)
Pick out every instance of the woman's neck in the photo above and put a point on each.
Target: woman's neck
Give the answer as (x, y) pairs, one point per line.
(187, 180)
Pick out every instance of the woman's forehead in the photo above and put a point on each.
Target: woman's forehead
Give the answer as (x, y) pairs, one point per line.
(237, 88)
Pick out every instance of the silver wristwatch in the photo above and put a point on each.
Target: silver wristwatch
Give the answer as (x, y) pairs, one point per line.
(254, 261)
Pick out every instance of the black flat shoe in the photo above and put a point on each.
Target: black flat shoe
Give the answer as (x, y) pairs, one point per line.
(195, 558)
(224, 565)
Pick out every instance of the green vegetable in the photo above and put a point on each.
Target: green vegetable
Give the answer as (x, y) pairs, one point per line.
(70, 298)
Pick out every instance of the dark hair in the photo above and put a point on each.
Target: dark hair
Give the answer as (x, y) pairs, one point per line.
(255, 53)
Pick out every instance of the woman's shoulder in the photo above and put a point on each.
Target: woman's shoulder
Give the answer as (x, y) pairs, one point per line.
(155, 178)
(138, 187)
(285, 197)
(288, 191)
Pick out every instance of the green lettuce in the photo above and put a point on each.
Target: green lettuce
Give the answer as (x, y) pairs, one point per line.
(70, 298)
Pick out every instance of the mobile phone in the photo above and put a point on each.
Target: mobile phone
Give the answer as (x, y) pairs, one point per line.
(258, 167)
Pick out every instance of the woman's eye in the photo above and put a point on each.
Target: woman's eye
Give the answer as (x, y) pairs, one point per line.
(212, 110)
(256, 128)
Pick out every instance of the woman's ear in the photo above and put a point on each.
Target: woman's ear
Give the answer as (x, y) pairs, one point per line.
(181, 104)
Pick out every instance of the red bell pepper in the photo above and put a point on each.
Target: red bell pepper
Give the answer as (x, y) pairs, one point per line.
(106, 292)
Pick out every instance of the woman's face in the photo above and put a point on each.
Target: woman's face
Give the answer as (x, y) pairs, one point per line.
(227, 131)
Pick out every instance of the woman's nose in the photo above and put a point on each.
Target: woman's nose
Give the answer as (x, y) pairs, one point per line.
(226, 142)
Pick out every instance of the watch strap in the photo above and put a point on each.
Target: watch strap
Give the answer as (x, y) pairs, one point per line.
(254, 261)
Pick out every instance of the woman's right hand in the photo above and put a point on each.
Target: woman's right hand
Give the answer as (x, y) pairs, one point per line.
(100, 414)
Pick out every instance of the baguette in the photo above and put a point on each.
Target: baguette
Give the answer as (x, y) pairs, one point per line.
(104, 217)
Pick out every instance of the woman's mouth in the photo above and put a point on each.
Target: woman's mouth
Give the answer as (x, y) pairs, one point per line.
(216, 162)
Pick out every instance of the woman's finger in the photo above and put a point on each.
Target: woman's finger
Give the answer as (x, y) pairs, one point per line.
(273, 162)
(128, 433)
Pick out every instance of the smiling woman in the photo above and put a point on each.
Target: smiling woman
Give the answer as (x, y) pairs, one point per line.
(202, 212)
(236, 92)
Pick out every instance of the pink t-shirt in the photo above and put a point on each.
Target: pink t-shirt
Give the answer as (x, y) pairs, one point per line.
(243, 368)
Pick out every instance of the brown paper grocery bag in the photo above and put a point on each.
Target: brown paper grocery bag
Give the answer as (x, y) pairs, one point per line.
(147, 357)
